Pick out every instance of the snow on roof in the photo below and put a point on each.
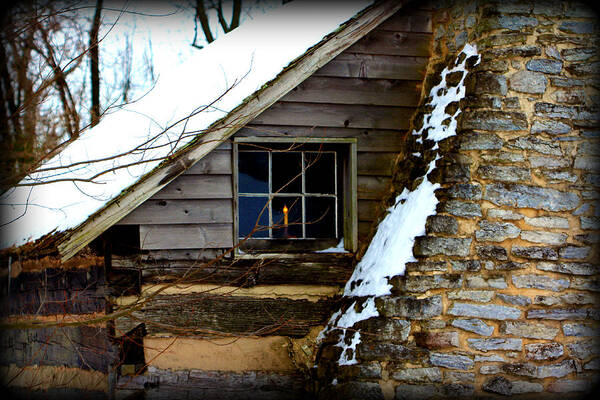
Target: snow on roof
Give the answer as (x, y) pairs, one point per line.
(187, 99)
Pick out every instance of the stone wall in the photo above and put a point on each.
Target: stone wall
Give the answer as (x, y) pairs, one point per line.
(502, 300)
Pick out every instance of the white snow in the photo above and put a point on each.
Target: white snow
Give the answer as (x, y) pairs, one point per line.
(233, 67)
(351, 317)
(441, 97)
(347, 320)
(392, 245)
(339, 248)
(344, 357)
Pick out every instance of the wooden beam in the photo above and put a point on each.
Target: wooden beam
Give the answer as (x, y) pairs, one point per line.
(413, 21)
(373, 140)
(218, 162)
(206, 315)
(197, 187)
(218, 132)
(373, 187)
(185, 254)
(369, 210)
(189, 236)
(376, 164)
(308, 269)
(85, 347)
(198, 383)
(393, 43)
(57, 291)
(350, 200)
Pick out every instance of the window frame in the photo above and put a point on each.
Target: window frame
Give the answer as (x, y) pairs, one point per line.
(349, 196)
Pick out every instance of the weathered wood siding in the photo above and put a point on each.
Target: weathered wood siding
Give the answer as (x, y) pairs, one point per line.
(194, 211)
(216, 385)
(368, 92)
(331, 269)
(85, 347)
(208, 315)
(56, 291)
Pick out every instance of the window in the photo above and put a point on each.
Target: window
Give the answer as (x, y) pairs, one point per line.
(295, 196)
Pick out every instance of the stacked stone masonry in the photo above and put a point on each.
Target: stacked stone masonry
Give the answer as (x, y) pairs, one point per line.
(503, 298)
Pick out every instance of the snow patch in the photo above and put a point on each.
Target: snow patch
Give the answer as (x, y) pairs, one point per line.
(347, 320)
(439, 124)
(392, 245)
(339, 248)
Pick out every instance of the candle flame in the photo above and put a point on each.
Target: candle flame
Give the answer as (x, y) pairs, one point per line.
(285, 209)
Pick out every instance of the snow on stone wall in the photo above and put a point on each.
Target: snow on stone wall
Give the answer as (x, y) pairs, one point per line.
(391, 247)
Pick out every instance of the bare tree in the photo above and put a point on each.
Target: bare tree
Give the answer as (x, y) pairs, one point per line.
(36, 60)
(95, 65)
(43, 87)
(202, 17)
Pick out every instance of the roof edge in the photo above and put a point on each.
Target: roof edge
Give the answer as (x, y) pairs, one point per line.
(317, 56)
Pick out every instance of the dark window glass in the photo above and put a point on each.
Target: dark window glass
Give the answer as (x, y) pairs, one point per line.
(320, 217)
(294, 226)
(320, 172)
(286, 169)
(308, 194)
(248, 214)
(253, 172)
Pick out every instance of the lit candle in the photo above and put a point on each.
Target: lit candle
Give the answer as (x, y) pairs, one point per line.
(285, 215)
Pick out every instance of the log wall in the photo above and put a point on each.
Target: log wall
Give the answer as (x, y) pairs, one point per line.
(53, 360)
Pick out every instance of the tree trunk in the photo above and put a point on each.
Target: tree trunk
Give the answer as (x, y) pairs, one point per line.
(94, 66)
(203, 18)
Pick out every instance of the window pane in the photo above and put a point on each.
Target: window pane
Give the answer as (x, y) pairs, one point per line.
(253, 172)
(320, 217)
(249, 209)
(287, 167)
(320, 172)
(294, 226)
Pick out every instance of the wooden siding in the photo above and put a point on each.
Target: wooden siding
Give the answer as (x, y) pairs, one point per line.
(336, 115)
(186, 236)
(370, 66)
(380, 92)
(368, 92)
(197, 187)
(208, 211)
(393, 43)
(368, 140)
(192, 212)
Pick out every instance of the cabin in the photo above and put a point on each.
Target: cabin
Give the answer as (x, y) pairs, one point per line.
(405, 207)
